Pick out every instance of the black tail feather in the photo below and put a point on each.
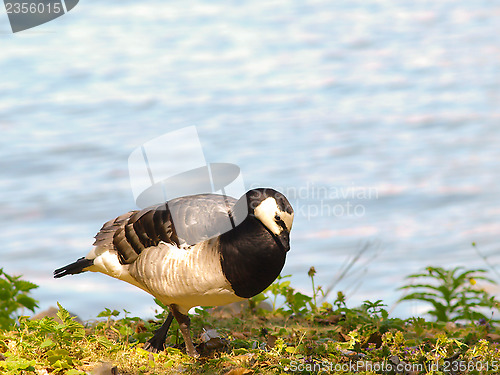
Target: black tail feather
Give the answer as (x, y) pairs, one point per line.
(73, 268)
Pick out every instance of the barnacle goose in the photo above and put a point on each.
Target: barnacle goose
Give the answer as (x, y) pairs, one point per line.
(194, 263)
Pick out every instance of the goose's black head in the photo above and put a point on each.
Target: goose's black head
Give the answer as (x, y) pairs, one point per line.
(253, 253)
(272, 210)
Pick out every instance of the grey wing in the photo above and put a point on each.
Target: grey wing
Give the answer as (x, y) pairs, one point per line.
(131, 233)
(186, 220)
(199, 217)
(104, 238)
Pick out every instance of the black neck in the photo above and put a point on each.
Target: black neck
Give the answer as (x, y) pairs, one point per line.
(251, 258)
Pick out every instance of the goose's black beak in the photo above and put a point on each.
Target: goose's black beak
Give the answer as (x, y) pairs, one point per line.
(283, 240)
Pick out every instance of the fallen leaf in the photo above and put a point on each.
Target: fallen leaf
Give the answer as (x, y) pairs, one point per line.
(271, 341)
(493, 337)
(209, 334)
(330, 319)
(239, 335)
(242, 359)
(239, 371)
(343, 337)
(140, 328)
(375, 338)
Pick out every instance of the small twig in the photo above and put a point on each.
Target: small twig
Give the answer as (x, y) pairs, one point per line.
(485, 259)
(346, 268)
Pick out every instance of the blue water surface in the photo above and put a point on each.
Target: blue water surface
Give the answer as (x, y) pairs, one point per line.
(379, 119)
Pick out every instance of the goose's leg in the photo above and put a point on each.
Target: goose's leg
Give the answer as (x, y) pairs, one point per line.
(157, 343)
(184, 323)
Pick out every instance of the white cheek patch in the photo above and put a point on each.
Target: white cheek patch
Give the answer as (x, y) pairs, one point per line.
(287, 219)
(267, 210)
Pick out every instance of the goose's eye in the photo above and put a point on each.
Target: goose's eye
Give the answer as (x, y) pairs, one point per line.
(277, 217)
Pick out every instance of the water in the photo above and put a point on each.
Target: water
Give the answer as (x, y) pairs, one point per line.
(378, 119)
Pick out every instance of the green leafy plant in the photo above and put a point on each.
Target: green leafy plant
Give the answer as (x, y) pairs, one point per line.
(56, 344)
(371, 317)
(453, 293)
(295, 302)
(128, 329)
(317, 291)
(14, 297)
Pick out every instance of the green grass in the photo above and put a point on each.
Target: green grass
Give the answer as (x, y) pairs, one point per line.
(297, 336)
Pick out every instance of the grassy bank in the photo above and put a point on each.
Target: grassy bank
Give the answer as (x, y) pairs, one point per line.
(281, 331)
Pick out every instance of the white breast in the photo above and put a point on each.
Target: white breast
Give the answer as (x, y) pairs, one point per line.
(185, 277)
